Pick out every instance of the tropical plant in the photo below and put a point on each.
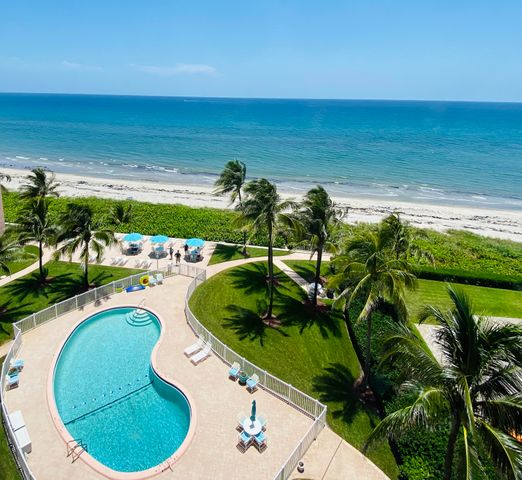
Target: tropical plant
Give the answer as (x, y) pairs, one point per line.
(402, 239)
(368, 267)
(120, 213)
(319, 216)
(40, 184)
(81, 231)
(231, 182)
(35, 225)
(474, 390)
(9, 251)
(6, 178)
(264, 211)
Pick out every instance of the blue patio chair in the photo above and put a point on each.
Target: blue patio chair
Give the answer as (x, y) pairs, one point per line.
(234, 371)
(260, 441)
(245, 440)
(252, 383)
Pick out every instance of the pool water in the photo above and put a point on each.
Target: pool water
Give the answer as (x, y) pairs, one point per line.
(108, 395)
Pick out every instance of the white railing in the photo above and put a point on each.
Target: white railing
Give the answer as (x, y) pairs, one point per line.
(55, 311)
(268, 382)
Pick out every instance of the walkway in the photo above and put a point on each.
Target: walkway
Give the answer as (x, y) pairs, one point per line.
(46, 257)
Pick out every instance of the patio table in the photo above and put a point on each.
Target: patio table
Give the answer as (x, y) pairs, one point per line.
(251, 428)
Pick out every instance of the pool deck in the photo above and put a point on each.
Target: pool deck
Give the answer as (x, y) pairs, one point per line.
(212, 453)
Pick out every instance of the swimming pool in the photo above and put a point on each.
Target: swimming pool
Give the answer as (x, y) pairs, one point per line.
(108, 395)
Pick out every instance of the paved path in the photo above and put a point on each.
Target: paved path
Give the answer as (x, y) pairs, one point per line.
(291, 273)
(46, 257)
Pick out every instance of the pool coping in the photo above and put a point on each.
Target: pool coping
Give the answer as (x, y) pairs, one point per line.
(85, 456)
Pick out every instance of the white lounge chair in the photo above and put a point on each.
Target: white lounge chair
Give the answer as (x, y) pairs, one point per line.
(124, 260)
(153, 281)
(234, 371)
(138, 262)
(252, 383)
(195, 347)
(201, 355)
(159, 278)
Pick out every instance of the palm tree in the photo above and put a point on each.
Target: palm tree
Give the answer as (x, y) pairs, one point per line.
(7, 178)
(367, 266)
(263, 210)
(39, 184)
(35, 225)
(402, 237)
(231, 182)
(121, 213)
(319, 216)
(9, 251)
(475, 390)
(81, 231)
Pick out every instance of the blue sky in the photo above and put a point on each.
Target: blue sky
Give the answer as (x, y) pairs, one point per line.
(396, 49)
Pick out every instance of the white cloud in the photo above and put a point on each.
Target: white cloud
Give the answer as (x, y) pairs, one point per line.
(79, 66)
(178, 69)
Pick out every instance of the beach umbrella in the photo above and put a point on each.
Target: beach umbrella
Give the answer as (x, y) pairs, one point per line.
(132, 237)
(159, 239)
(195, 242)
(253, 412)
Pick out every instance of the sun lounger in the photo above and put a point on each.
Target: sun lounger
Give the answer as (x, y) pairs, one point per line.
(114, 260)
(260, 441)
(159, 278)
(23, 440)
(17, 420)
(124, 260)
(138, 262)
(245, 440)
(234, 371)
(202, 354)
(252, 383)
(12, 381)
(195, 347)
(152, 280)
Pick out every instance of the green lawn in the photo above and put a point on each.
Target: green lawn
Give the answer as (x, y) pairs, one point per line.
(226, 253)
(8, 469)
(25, 295)
(28, 257)
(310, 350)
(488, 301)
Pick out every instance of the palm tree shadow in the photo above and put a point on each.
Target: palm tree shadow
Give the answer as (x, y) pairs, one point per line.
(247, 324)
(253, 278)
(336, 385)
(227, 252)
(11, 311)
(302, 314)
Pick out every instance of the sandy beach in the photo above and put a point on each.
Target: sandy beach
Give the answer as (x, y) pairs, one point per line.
(506, 224)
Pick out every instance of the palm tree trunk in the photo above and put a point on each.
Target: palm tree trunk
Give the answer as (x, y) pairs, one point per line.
(317, 273)
(351, 334)
(448, 461)
(2, 218)
(367, 362)
(86, 270)
(40, 260)
(270, 274)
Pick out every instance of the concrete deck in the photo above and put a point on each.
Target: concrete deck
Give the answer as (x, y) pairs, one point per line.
(217, 400)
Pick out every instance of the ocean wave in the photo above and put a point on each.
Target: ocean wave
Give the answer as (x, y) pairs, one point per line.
(19, 157)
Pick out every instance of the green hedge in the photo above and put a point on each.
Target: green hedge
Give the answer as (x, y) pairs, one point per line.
(177, 221)
(482, 279)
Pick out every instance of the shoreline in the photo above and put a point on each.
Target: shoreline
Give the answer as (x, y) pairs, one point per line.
(497, 223)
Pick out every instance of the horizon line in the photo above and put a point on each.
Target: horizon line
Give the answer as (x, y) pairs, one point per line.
(210, 97)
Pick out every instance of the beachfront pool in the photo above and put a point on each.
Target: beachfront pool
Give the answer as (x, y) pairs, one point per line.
(108, 395)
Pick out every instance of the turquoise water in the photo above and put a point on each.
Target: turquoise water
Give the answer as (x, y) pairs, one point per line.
(109, 397)
(433, 152)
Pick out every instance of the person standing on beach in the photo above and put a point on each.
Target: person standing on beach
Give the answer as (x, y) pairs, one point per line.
(186, 247)
(178, 257)
(171, 251)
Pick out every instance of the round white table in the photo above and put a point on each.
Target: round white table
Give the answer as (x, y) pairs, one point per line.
(251, 429)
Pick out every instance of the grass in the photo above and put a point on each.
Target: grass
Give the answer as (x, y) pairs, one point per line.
(226, 253)
(28, 257)
(496, 302)
(487, 301)
(8, 470)
(311, 350)
(25, 295)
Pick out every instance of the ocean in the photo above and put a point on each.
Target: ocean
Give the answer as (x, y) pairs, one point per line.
(451, 153)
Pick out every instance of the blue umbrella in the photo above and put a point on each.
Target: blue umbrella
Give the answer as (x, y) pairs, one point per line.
(132, 237)
(253, 412)
(159, 239)
(195, 242)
